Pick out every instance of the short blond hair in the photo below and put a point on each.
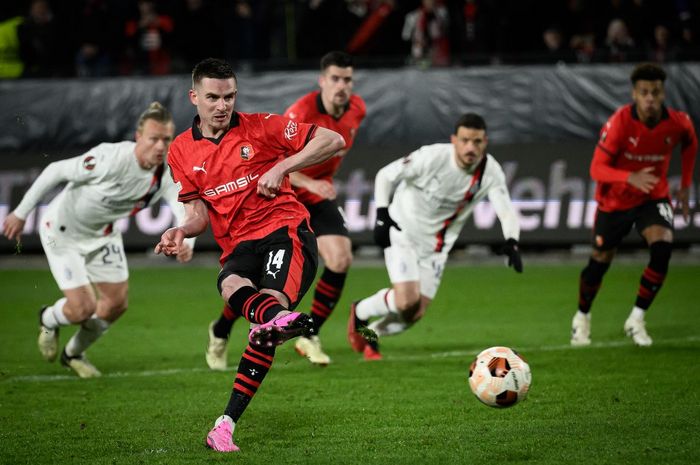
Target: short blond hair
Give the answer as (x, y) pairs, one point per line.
(155, 111)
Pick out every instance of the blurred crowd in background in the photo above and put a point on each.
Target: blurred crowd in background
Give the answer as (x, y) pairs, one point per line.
(93, 38)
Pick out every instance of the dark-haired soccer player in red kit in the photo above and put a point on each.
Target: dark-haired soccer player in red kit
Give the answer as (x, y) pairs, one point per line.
(231, 169)
(630, 166)
(334, 107)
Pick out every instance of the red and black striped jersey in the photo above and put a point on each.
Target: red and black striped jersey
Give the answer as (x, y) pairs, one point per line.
(224, 173)
(310, 109)
(627, 145)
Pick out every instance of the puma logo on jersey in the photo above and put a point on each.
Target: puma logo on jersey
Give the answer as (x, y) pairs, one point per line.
(273, 273)
(634, 140)
(199, 168)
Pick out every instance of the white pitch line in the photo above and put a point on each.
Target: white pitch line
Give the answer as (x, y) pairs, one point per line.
(396, 358)
(526, 350)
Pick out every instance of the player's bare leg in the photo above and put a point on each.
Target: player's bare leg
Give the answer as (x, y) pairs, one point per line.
(76, 305)
(267, 309)
(396, 323)
(111, 304)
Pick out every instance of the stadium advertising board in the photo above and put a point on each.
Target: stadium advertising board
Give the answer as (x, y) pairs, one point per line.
(549, 184)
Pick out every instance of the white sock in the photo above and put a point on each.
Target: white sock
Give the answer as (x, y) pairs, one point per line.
(227, 418)
(586, 315)
(90, 330)
(638, 313)
(381, 303)
(390, 325)
(53, 316)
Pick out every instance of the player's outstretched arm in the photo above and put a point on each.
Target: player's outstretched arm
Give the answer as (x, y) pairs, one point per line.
(195, 223)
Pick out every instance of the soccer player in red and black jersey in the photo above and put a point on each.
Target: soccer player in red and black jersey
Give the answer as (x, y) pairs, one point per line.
(630, 166)
(335, 107)
(232, 170)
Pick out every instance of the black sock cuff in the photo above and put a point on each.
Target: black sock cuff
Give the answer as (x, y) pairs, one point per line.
(334, 279)
(239, 298)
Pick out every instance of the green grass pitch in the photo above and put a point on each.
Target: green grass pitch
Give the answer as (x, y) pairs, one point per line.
(611, 403)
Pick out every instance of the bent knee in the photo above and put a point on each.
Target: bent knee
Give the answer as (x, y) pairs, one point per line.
(408, 306)
(80, 309)
(338, 262)
(603, 256)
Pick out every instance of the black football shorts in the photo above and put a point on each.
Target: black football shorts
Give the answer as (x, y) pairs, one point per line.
(285, 260)
(611, 227)
(327, 218)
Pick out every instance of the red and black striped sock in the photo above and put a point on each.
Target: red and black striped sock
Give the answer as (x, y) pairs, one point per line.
(222, 327)
(254, 306)
(654, 274)
(589, 283)
(649, 286)
(326, 295)
(255, 362)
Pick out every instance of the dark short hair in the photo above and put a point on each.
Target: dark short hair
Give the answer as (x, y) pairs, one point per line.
(336, 58)
(647, 72)
(471, 121)
(212, 68)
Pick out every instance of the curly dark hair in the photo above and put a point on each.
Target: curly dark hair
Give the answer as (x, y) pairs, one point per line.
(647, 72)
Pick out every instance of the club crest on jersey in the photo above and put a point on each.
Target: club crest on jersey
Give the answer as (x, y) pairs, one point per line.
(667, 140)
(89, 163)
(291, 131)
(246, 152)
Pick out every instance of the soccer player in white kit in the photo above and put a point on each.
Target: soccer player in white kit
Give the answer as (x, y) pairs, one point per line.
(434, 191)
(109, 182)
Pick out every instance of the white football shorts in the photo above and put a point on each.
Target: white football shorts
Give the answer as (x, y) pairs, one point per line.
(78, 262)
(406, 261)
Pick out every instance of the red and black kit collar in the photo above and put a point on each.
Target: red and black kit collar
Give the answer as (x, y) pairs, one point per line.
(197, 133)
(322, 109)
(664, 114)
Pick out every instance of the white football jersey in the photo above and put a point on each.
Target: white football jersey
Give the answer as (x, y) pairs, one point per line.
(103, 185)
(433, 196)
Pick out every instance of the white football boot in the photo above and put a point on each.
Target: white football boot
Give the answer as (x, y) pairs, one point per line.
(310, 347)
(48, 340)
(636, 329)
(581, 329)
(217, 351)
(81, 365)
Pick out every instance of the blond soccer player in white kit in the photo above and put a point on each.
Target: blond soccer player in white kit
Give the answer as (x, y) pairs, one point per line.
(434, 191)
(109, 182)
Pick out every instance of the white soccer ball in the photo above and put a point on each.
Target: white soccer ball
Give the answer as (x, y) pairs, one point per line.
(500, 377)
